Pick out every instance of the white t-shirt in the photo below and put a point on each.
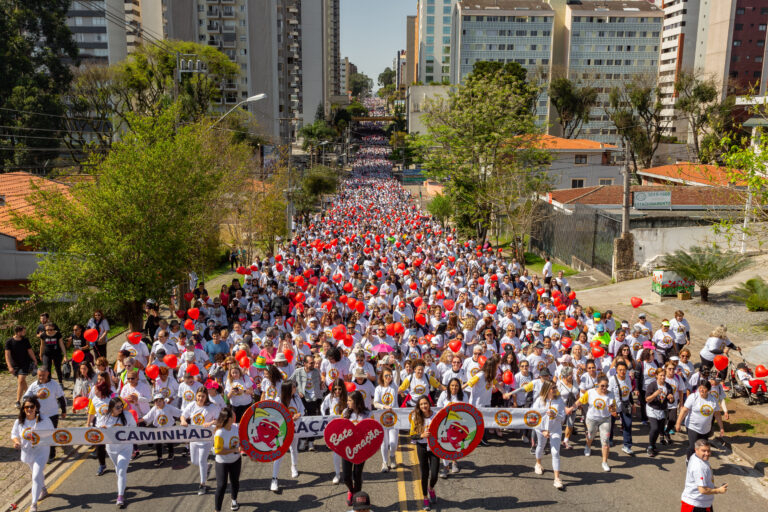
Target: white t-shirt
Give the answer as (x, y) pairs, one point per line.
(229, 439)
(162, 417)
(31, 450)
(243, 384)
(599, 405)
(698, 474)
(699, 419)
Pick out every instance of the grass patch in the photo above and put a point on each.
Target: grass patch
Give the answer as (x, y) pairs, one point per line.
(535, 264)
(116, 329)
(219, 271)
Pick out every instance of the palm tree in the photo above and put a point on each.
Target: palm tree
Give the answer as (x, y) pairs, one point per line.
(705, 266)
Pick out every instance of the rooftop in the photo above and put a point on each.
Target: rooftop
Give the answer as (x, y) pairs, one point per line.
(560, 144)
(612, 195)
(15, 187)
(505, 5)
(606, 7)
(688, 173)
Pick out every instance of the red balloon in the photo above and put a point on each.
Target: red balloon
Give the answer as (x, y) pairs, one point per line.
(152, 371)
(448, 304)
(351, 303)
(348, 287)
(91, 335)
(373, 290)
(491, 308)
(566, 342)
(193, 313)
(78, 356)
(721, 362)
(279, 267)
(192, 369)
(561, 307)
(339, 332)
(481, 361)
(636, 302)
(300, 297)
(180, 313)
(279, 257)
(244, 362)
(134, 338)
(455, 346)
(343, 299)
(598, 352)
(480, 281)
(556, 294)
(189, 296)
(420, 319)
(508, 378)
(80, 402)
(399, 329)
(540, 291)
(348, 340)
(350, 386)
(570, 323)
(572, 295)
(240, 354)
(170, 360)
(761, 371)
(391, 329)
(360, 307)
(414, 285)
(288, 354)
(189, 325)
(418, 301)
(595, 343)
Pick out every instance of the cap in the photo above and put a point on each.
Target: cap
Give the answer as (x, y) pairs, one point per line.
(189, 356)
(211, 384)
(544, 372)
(665, 323)
(538, 345)
(261, 363)
(537, 327)
(361, 501)
(157, 396)
(600, 328)
(280, 358)
(641, 315)
(648, 345)
(624, 323)
(596, 315)
(360, 374)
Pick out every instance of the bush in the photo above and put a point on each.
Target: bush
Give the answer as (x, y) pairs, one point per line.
(754, 293)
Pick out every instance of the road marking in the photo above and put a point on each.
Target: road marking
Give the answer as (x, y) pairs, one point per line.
(415, 477)
(68, 472)
(402, 495)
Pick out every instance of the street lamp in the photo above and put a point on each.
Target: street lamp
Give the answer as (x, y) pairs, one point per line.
(250, 99)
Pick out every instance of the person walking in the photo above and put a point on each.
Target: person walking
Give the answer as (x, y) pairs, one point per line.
(602, 406)
(657, 396)
(699, 492)
(202, 412)
(353, 473)
(20, 359)
(550, 428)
(384, 398)
(119, 453)
(33, 454)
(226, 446)
(52, 349)
(290, 399)
(51, 398)
(697, 413)
(309, 387)
(429, 463)
(98, 322)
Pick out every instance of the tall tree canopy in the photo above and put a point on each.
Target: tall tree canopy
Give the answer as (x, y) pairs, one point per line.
(573, 105)
(36, 48)
(387, 77)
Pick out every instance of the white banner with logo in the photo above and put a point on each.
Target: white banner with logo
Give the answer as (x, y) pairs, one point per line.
(122, 435)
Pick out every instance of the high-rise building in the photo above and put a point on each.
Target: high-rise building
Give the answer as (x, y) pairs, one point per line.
(506, 31)
(411, 50)
(347, 69)
(106, 31)
(731, 43)
(401, 63)
(609, 44)
(287, 49)
(434, 36)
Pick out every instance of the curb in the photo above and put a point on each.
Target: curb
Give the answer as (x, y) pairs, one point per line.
(57, 468)
(757, 465)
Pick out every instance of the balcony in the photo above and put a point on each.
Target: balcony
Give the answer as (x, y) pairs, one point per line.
(230, 98)
(213, 27)
(212, 1)
(228, 41)
(213, 12)
(227, 12)
(229, 85)
(215, 42)
(228, 29)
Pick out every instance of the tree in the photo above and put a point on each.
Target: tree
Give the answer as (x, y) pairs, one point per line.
(360, 85)
(387, 77)
(635, 109)
(697, 100)
(573, 105)
(319, 180)
(36, 48)
(705, 266)
(440, 207)
(753, 293)
(315, 135)
(724, 133)
(357, 109)
(121, 238)
(483, 132)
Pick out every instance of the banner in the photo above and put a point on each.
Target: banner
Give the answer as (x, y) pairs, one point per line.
(120, 435)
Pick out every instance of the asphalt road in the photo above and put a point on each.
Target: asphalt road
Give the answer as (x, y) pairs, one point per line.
(499, 477)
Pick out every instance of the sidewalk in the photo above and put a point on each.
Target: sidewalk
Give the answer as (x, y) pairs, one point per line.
(15, 477)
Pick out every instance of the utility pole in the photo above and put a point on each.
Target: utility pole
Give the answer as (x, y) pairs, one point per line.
(627, 191)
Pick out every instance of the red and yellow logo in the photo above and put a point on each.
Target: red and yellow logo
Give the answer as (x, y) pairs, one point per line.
(162, 420)
(388, 419)
(31, 436)
(62, 436)
(43, 393)
(599, 404)
(532, 418)
(387, 399)
(94, 436)
(189, 396)
(707, 410)
(198, 419)
(234, 442)
(503, 418)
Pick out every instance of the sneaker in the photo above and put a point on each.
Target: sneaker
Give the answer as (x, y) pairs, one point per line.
(606, 467)
(44, 494)
(392, 463)
(201, 490)
(664, 441)
(432, 496)
(483, 442)
(158, 463)
(650, 452)
(566, 444)
(525, 438)
(349, 498)
(454, 467)
(135, 455)
(120, 502)
(311, 446)
(273, 487)
(294, 472)
(426, 504)
(533, 450)
(628, 451)
(538, 469)
(587, 451)
(444, 472)
(336, 479)
(302, 445)
(235, 505)
(384, 468)
(558, 483)
(101, 470)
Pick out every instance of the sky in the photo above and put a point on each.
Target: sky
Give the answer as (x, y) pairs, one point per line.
(372, 31)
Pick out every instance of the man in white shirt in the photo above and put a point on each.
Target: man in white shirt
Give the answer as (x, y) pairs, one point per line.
(700, 490)
(547, 270)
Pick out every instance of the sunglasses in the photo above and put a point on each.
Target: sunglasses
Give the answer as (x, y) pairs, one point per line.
(29, 407)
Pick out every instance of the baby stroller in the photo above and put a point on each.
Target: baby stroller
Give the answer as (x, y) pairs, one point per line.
(739, 389)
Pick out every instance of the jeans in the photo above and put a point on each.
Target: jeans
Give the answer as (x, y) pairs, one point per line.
(352, 475)
(625, 416)
(224, 471)
(429, 464)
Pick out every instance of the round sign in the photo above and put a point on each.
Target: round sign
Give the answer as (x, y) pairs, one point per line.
(455, 431)
(266, 431)
(62, 436)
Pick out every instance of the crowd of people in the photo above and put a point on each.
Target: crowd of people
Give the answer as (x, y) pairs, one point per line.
(373, 305)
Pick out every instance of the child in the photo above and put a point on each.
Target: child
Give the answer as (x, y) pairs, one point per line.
(161, 415)
(744, 374)
(213, 393)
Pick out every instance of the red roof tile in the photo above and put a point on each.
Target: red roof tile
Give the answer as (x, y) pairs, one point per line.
(16, 187)
(689, 173)
(681, 195)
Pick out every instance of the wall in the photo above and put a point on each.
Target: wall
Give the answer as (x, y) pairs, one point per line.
(563, 169)
(652, 243)
(312, 44)
(415, 101)
(16, 265)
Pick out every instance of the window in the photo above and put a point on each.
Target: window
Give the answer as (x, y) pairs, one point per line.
(736, 42)
(430, 20)
(446, 29)
(581, 160)
(740, 10)
(430, 10)
(577, 183)
(430, 39)
(446, 20)
(760, 44)
(758, 59)
(761, 28)
(447, 9)
(446, 40)
(605, 181)
(431, 29)
(738, 26)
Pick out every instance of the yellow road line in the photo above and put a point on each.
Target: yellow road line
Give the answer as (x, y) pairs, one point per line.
(68, 472)
(415, 477)
(402, 495)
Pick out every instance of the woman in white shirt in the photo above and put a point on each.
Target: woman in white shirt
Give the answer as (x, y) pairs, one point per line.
(202, 412)
(239, 390)
(226, 446)
(384, 397)
(333, 405)
(697, 413)
(119, 454)
(25, 439)
(602, 406)
(422, 416)
(552, 408)
(161, 415)
(290, 399)
(452, 394)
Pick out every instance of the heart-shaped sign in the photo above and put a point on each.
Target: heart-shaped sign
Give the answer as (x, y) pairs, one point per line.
(354, 442)
(455, 431)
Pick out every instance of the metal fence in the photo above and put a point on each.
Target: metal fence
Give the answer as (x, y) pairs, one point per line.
(584, 232)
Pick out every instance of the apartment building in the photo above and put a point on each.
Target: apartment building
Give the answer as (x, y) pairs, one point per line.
(608, 44)
(287, 49)
(105, 31)
(434, 36)
(411, 50)
(504, 31)
(400, 64)
(346, 70)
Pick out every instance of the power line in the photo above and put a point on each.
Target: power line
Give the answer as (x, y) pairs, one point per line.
(91, 119)
(44, 130)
